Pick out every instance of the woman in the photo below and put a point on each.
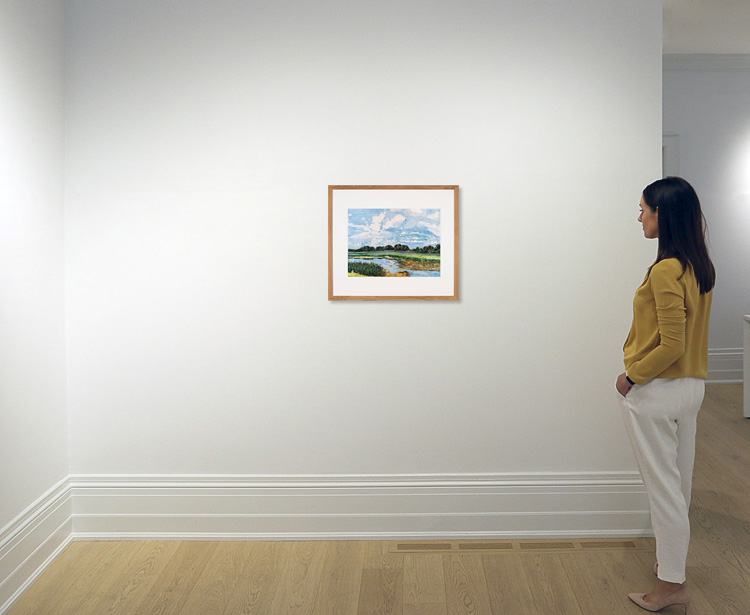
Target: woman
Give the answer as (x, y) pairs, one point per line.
(666, 362)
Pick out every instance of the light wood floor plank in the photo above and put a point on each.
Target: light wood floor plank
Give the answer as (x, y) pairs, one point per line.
(133, 582)
(730, 538)
(592, 586)
(259, 579)
(300, 579)
(424, 579)
(215, 586)
(381, 592)
(379, 557)
(466, 590)
(718, 587)
(341, 579)
(95, 581)
(718, 471)
(425, 609)
(171, 590)
(725, 402)
(507, 584)
(549, 584)
(724, 440)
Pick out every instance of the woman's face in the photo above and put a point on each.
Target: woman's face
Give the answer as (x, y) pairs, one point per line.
(649, 218)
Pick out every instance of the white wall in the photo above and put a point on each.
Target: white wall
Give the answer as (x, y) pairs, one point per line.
(707, 105)
(201, 138)
(33, 430)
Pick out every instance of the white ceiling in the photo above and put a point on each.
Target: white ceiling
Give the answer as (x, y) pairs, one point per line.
(706, 26)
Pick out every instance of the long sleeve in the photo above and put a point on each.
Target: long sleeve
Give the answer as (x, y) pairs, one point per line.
(669, 298)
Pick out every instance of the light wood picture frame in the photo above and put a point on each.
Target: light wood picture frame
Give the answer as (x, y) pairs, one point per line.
(393, 243)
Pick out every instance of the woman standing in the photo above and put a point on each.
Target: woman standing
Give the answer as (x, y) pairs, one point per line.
(666, 362)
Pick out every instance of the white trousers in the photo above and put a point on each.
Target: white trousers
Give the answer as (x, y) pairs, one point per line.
(660, 417)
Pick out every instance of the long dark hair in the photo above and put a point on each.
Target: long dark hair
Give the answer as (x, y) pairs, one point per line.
(682, 228)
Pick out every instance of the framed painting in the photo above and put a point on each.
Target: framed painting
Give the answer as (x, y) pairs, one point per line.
(393, 243)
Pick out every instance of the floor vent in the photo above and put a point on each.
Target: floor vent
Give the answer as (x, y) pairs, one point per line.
(424, 546)
(523, 546)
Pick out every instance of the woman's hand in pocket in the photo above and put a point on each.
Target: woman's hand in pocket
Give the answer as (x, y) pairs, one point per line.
(622, 385)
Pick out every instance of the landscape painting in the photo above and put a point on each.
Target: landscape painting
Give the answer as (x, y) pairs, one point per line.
(399, 243)
(393, 242)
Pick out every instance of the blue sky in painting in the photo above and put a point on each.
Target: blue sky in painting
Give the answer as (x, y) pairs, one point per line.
(415, 228)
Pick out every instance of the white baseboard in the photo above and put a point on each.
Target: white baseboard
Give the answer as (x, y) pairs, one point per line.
(32, 541)
(706, 61)
(725, 365)
(359, 507)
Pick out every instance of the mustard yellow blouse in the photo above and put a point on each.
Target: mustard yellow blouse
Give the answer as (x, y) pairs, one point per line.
(669, 335)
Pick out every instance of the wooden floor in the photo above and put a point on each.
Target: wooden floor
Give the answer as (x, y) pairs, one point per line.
(357, 578)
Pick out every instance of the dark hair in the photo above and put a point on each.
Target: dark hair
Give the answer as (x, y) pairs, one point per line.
(682, 228)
